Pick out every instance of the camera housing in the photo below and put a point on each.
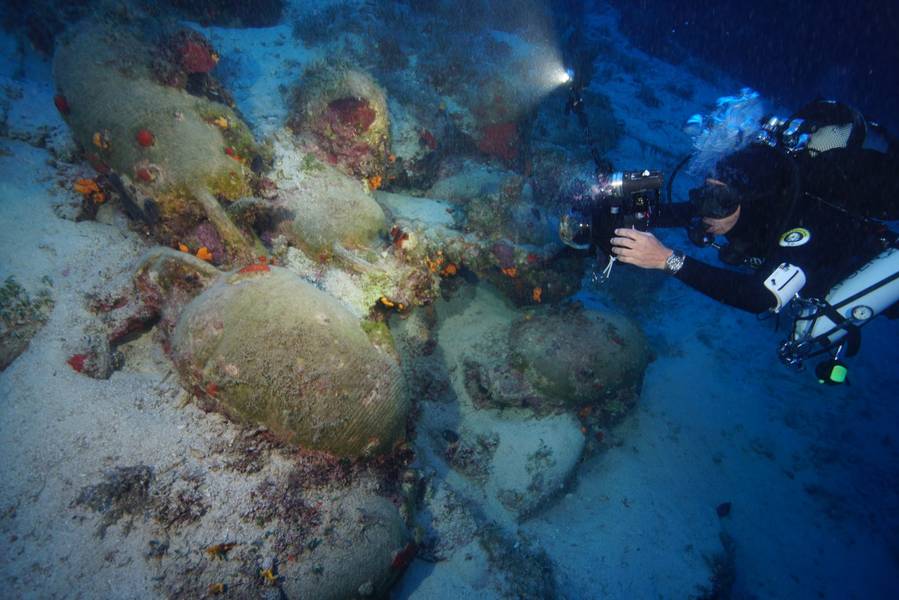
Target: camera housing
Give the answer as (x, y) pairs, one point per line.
(626, 199)
(619, 199)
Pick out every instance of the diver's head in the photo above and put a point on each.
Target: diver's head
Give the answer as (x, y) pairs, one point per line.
(720, 226)
(718, 204)
(752, 180)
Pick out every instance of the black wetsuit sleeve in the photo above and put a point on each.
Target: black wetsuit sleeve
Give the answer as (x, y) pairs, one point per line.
(676, 214)
(740, 290)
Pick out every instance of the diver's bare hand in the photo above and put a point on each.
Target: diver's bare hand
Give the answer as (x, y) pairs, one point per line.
(639, 248)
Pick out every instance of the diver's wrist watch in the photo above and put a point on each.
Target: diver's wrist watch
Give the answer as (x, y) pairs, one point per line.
(674, 262)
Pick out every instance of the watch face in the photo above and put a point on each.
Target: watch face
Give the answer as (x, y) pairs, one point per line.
(862, 313)
(674, 262)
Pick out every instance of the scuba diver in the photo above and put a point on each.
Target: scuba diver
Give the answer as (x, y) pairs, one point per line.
(801, 203)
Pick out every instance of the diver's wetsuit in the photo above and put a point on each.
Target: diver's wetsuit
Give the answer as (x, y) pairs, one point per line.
(826, 242)
(822, 244)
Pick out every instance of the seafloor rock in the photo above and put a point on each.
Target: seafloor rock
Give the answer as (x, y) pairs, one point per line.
(310, 526)
(369, 284)
(558, 358)
(170, 155)
(464, 180)
(426, 228)
(332, 208)
(511, 214)
(268, 348)
(548, 136)
(534, 461)
(468, 555)
(20, 318)
(325, 226)
(317, 205)
(521, 461)
(573, 356)
(366, 548)
(345, 112)
(417, 147)
(515, 458)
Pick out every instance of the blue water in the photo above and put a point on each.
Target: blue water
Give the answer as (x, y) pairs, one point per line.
(799, 52)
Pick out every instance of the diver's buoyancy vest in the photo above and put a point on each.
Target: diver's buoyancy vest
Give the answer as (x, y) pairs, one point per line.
(843, 159)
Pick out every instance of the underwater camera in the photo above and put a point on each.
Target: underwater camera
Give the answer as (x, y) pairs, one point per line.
(616, 199)
(631, 196)
(620, 199)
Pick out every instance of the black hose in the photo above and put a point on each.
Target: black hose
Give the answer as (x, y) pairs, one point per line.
(674, 173)
(795, 193)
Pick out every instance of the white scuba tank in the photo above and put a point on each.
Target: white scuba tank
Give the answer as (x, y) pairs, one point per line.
(863, 309)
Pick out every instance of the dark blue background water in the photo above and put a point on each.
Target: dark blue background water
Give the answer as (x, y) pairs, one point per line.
(791, 50)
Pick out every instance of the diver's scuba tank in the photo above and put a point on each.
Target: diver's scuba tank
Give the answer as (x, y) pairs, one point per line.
(857, 299)
(832, 325)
